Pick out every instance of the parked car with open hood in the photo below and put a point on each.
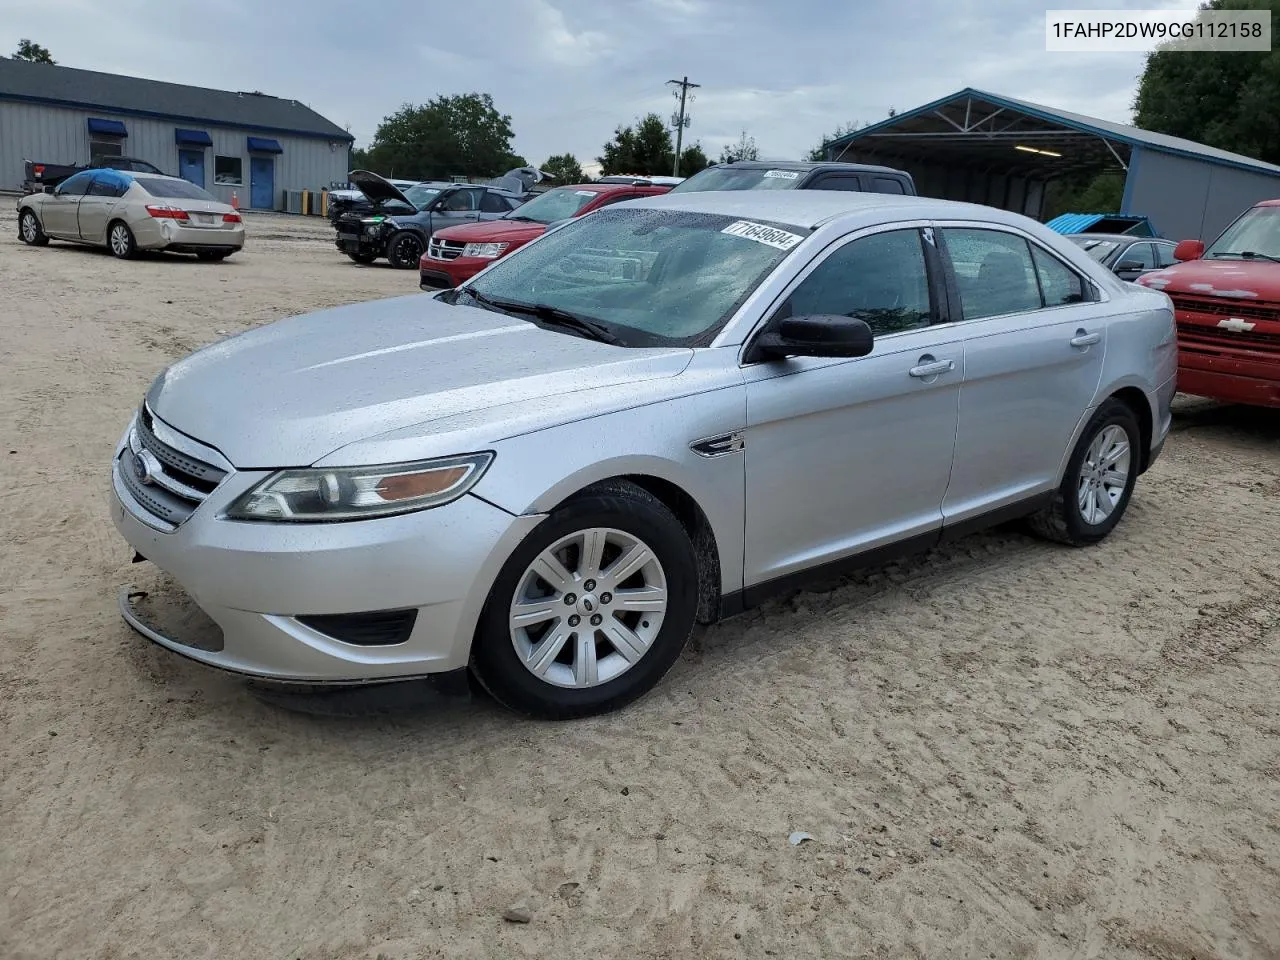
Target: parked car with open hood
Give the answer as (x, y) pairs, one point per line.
(348, 199)
(401, 237)
(459, 253)
(127, 212)
(654, 415)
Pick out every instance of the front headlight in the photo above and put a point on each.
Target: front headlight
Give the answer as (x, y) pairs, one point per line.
(486, 251)
(323, 494)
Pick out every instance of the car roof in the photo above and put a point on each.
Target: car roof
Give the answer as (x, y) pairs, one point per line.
(811, 208)
(806, 165)
(1116, 237)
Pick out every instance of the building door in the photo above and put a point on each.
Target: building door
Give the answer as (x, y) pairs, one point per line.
(262, 182)
(191, 166)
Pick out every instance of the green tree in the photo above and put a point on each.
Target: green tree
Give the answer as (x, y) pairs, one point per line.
(359, 158)
(744, 148)
(820, 151)
(1225, 100)
(1102, 193)
(564, 167)
(461, 135)
(643, 149)
(692, 159)
(32, 51)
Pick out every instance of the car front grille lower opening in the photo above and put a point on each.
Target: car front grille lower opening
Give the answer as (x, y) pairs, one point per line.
(380, 628)
(168, 483)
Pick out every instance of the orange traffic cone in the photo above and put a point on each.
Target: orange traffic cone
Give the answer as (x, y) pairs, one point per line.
(235, 200)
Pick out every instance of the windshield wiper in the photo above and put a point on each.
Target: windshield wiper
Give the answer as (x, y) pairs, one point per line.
(1249, 255)
(552, 317)
(525, 219)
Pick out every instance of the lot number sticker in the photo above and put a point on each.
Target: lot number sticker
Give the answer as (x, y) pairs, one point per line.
(770, 236)
(782, 174)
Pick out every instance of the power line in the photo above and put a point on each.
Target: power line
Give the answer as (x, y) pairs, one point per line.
(680, 120)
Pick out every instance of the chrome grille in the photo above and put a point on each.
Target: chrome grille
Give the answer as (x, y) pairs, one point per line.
(168, 483)
(439, 249)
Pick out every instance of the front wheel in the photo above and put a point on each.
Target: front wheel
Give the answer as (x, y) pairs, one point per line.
(592, 610)
(1098, 481)
(120, 240)
(404, 250)
(30, 230)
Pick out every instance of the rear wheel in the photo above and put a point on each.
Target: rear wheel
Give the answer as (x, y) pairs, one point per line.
(365, 258)
(120, 240)
(30, 230)
(1098, 481)
(213, 254)
(592, 609)
(404, 250)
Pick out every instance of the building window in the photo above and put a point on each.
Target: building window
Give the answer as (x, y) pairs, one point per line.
(227, 171)
(105, 148)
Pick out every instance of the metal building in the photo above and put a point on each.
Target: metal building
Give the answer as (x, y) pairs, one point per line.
(993, 149)
(248, 144)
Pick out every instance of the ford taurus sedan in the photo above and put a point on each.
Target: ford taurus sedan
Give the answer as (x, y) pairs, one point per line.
(127, 212)
(654, 416)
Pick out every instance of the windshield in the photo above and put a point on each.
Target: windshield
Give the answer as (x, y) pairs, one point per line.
(558, 204)
(651, 277)
(1098, 249)
(739, 178)
(173, 189)
(1257, 231)
(421, 196)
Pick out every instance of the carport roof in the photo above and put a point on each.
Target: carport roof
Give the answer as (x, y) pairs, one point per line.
(977, 126)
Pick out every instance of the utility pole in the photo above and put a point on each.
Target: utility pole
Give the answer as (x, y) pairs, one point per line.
(680, 120)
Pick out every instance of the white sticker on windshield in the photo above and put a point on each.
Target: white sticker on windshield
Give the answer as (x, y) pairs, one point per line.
(771, 236)
(585, 193)
(782, 174)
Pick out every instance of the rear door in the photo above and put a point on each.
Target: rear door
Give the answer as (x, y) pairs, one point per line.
(99, 202)
(1033, 351)
(836, 181)
(58, 213)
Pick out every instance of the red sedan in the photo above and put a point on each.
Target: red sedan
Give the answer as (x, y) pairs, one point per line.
(458, 253)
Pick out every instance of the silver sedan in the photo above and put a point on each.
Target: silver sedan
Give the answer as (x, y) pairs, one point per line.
(657, 415)
(127, 212)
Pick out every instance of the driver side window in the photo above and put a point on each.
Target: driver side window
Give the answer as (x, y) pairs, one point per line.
(881, 279)
(76, 185)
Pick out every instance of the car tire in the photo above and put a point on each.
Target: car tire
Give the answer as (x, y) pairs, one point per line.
(29, 230)
(364, 258)
(1098, 481)
(404, 250)
(120, 240)
(567, 657)
(213, 254)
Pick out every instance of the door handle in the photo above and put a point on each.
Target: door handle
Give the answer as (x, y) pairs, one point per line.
(1082, 339)
(932, 369)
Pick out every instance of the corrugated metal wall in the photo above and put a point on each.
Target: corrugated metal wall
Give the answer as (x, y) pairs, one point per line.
(30, 131)
(1190, 200)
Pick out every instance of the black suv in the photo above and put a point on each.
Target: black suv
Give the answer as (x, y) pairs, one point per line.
(799, 175)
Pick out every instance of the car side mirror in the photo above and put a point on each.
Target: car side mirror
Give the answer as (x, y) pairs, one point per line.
(1188, 250)
(1129, 266)
(818, 335)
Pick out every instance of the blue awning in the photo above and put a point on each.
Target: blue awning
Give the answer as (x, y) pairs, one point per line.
(196, 138)
(1069, 223)
(264, 145)
(112, 128)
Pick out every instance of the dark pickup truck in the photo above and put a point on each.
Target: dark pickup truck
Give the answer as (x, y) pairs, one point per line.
(799, 175)
(46, 176)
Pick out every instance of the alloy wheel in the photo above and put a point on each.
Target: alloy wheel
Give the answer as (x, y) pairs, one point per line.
(30, 229)
(1104, 474)
(588, 607)
(119, 240)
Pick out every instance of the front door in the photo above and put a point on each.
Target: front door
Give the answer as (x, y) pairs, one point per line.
(1033, 354)
(843, 456)
(456, 207)
(58, 213)
(262, 183)
(191, 166)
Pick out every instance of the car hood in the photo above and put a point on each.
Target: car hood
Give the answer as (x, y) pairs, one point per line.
(494, 231)
(291, 392)
(1238, 279)
(377, 188)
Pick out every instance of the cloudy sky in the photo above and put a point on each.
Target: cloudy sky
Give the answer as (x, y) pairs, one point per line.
(569, 71)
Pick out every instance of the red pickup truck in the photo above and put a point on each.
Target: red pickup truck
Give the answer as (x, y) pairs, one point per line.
(1226, 301)
(458, 253)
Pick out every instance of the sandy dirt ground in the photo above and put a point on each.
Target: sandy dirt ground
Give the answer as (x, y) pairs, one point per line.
(1001, 749)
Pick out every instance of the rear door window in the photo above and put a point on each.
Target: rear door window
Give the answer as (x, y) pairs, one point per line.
(835, 181)
(887, 185)
(994, 272)
(493, 203)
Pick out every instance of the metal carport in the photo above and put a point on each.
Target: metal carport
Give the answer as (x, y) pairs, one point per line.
(988, 148)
